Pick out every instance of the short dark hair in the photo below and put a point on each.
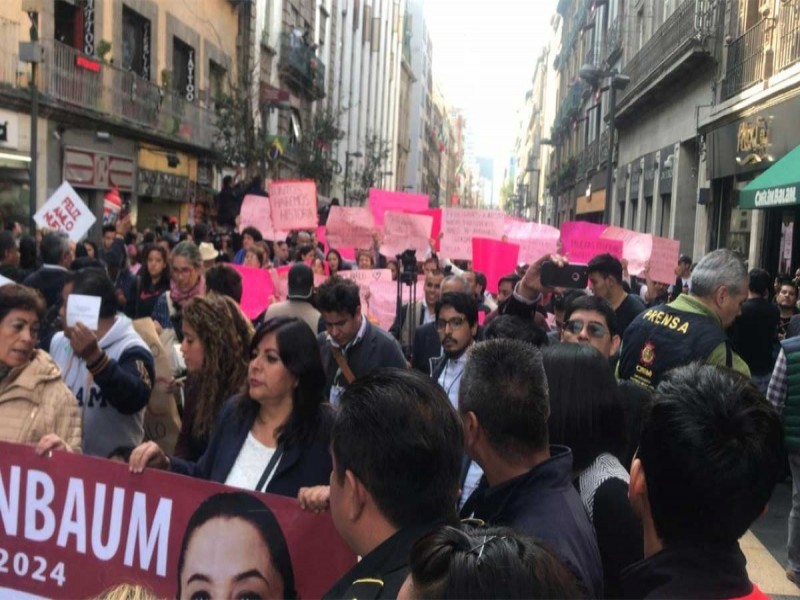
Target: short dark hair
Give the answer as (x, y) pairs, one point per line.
(339, 295)
(607, 265)
(227, 180)
(505, 385)
(495, 562)
(712, 451)
(299, 353)
(225, 280)
(462, 303)
(512, 327)
(685, 260)
(14, 296)
(791, 283)
(398, 433)
(560, 301)
(302, 251)
(512, 278)
(93, 281)
(7, 243)
(586, 411)
(480, 279)
(200, 233)
(253, 233)
(247, 507)
(53, 247)
(109, 229)
(597, 304)
(760, 281)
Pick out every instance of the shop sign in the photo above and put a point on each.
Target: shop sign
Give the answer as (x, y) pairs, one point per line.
(752, 141)
(89, 169)
(776, 197)
(165, 186)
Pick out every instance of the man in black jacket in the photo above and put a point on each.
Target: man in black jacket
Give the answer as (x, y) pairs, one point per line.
(709, 457)
(57, 252)
(351, 347)
(396, 446)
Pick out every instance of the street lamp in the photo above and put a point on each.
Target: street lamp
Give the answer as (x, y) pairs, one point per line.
(347, 156)
(593, 75)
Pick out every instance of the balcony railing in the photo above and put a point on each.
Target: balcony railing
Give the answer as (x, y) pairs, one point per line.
(684, 30)
(300, 66)
(746, 59)
(588, 158)
(788, 33)
(72, 78)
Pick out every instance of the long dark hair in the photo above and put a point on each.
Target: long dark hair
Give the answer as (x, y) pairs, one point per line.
(147, 280)
(299, 353)
(241, 505)
(586, 412)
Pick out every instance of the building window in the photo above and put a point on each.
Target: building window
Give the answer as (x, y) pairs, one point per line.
(183, 69)
(216, 80)
(666, 215)
(74, 24)
(135, 43)
(323, 25)
(648, 214)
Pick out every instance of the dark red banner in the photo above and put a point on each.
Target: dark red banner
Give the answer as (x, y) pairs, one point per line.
(73, 526)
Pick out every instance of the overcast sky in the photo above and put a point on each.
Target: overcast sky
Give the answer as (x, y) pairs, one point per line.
(484, 53)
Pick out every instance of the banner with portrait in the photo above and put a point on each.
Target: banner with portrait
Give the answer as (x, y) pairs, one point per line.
(73, 526)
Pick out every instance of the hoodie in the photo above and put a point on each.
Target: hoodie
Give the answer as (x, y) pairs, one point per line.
(113, 401)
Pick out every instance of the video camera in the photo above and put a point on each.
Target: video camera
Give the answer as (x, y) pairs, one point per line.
(407, 263)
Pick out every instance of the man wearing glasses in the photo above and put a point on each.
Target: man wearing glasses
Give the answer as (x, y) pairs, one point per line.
(591, 320)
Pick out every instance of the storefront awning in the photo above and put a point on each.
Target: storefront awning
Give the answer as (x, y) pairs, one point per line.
(777, 186)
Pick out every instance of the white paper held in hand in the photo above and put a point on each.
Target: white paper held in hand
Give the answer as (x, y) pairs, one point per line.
(85, 309)
(5, 281)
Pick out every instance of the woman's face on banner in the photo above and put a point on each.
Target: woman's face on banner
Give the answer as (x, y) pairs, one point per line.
(227, 558)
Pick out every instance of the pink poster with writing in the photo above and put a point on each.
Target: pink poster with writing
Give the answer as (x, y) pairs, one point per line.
(381, 201)
(460, 225)
(350, 227)
(293, 204)
(256, 212)
(257, 290)
(535, 240)
(663, 258)
(494, 259)
(403, 231)
(321, 237)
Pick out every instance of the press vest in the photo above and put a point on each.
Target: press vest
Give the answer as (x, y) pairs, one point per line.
(662, 338)
(791, 410)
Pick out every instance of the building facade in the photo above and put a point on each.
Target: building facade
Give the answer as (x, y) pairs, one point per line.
(126, 96)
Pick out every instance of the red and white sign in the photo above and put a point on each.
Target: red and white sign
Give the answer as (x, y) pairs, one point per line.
(65, 211)
(97, 170)
(73, 526)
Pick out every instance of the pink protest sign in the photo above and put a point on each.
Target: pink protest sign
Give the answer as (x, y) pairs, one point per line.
(581, 250)
(403, 231)
(663, 258)
(581, 229)
(383, 300)
(382, 200)
(494, 259)
(280, 277)
(257, 289)
(365, 278)
(256, 212)
(436, 213)
(322, 237)
(347, 253)
(460, 225)
(350, 227)
(535, 239)
(636, 247)
(294, 204)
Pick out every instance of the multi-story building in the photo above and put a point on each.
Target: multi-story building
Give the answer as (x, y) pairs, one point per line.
(126, 92)
(420, 102)
(752, 124)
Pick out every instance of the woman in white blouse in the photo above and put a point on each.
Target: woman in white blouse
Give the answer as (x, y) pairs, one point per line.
(275, 436)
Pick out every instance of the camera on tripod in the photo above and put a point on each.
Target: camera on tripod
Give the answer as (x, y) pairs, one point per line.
(408, 267)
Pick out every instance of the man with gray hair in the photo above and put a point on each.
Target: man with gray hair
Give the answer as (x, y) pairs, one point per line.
(690, 328)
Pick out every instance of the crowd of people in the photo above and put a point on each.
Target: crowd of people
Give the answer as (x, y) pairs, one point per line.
(533, 443)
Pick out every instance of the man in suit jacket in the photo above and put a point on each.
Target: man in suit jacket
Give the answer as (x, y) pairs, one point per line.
(351, 347)
(57, 252)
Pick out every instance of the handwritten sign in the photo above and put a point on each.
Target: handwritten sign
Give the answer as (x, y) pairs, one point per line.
(460, 225)
(639, 249)
(404, 231)
(663, 258)
(294, 204)
(65, 211)
(581, 250)
(85, 309)
(383, 300)
(494, 259)
(257, 290)
(256, 212)
(350, 227)
(365, 278)
(381, 201)
(534, 239)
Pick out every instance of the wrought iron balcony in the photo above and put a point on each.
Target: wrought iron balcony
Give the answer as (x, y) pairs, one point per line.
(300, 67)
(679, 43)
(746, 59)
(71, 78)
(588, 158)
(788, 35)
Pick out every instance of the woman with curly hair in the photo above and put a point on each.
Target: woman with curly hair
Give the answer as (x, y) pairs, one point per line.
(216, 337)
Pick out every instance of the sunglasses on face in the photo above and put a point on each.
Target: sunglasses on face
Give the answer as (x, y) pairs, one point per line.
(595, 330)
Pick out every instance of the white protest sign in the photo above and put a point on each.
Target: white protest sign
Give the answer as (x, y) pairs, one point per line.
(85, 309)
(4, 281)
(460, 225)
(65, 211)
